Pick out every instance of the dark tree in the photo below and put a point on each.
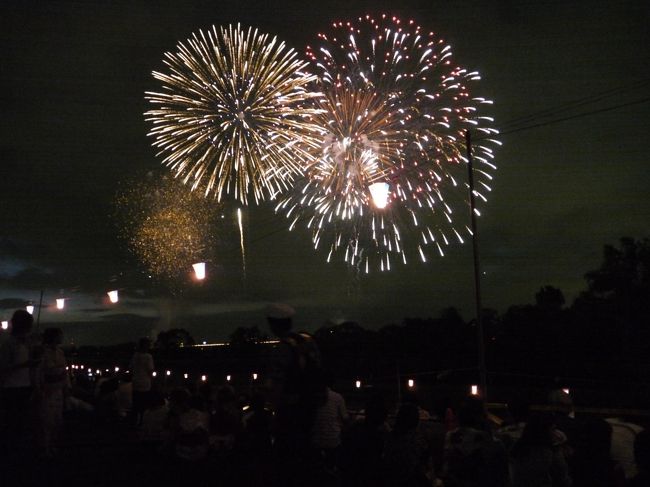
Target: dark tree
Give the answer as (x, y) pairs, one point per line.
(174, 338)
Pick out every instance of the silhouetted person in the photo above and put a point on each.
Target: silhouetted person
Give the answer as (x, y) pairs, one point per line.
(293, 392)
(535, 460)
(591, 464)
(363, 445)
(53, 386)
(16, 364)
(519, 409)
(330, 418)
(473, 457)
(623, 435)
(642, 460)
(142, 368)
(407, 460)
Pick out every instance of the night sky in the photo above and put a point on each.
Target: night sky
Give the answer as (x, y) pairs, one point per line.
(571, 86)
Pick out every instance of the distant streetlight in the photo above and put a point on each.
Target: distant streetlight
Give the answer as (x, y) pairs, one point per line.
(154, 373)
(379, 192)
(204, 378)
(474, 390)
(358, 384)
(566, 390)
(411, 383)
(185, 376)
(228, 378)
(113, 296)
(169, 372)
(5, 325)
(254, 376)
(30, 309)
(199, 270)
(60, 303)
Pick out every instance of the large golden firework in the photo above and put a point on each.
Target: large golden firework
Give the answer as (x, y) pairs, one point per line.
(395, 109)
(167, 227)
(233, 114)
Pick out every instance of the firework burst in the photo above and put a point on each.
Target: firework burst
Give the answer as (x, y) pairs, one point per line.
(233, 115)
(395, 109)
(167, 227)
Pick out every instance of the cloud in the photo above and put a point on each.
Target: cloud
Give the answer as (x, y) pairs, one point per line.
(12, 303)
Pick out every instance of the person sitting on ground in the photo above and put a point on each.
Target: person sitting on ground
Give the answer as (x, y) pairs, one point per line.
(407, 458)
(225, 422)
(535, 460)
(642, 460)
(142, 368)
(363, 444)
(473, 457)
(591, 464)
(330, 419)
(155, 417)
(519, 409)
(624, 433)
(188, 427)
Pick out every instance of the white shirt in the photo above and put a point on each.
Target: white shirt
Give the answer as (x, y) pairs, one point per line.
(15, 352)
(142, 367)
(330, 417)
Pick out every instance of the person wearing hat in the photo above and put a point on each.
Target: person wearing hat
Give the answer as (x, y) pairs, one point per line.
(294, 391)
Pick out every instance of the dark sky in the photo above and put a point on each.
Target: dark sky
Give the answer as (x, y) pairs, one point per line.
(73, 76)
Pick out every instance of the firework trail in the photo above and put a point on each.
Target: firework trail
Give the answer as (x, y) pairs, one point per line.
(394, 109)
(241, 242)
(233, 114)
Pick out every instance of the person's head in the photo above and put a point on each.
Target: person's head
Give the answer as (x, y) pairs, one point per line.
(594, 438)
(376, 410)
(472, 414)
(179, 401)
(21, 323)
(279, 317)
(519, 408)
(560, 401)
(407, 419)
(538, 431)
(642, 451)
(258, 402)
(144, 344)
(52, 336)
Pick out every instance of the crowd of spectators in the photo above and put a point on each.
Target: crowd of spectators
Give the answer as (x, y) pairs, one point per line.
(297, 430)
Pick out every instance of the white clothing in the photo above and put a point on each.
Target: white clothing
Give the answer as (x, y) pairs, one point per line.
(330, 418)
(141, 367)
(15, 352)
(622, 451)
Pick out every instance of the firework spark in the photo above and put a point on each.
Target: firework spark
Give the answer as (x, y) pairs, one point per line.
(395, 109)
(233, 115)
(167, 227)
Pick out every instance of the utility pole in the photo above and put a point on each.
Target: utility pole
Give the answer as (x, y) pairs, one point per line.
(477, 272)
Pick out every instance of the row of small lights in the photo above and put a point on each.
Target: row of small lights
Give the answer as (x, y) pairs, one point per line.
(474, 389)
(114, 295)
(168, 373)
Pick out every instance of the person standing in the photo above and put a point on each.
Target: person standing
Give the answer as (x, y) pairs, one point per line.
(53, 385)
(293, 392)
(16, 364)
(142, 368)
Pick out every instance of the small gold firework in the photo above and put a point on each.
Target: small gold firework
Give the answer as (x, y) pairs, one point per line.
(167, 226)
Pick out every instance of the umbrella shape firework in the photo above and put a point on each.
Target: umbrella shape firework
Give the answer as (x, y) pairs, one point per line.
(233, 113)
(394, 109)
